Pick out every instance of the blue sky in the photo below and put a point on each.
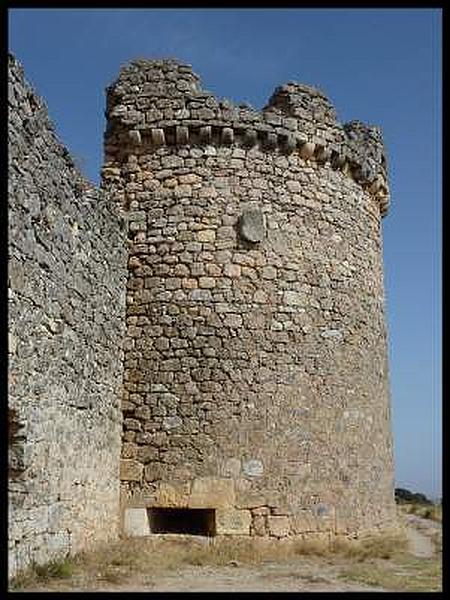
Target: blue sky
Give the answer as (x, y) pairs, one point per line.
(382, 67)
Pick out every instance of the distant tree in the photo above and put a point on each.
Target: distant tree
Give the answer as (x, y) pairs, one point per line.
(403, 496)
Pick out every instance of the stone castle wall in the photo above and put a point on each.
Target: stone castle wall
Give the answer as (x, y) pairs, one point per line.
(66, 298)
(256, 378)
(244, 349)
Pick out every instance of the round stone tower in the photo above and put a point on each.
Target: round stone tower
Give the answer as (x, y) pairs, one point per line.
(256, 396)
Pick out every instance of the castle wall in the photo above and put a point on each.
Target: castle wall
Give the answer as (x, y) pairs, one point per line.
(255, 377)
(66, 299)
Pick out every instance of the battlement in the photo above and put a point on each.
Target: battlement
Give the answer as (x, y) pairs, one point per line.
(154, 103)
(302, 102)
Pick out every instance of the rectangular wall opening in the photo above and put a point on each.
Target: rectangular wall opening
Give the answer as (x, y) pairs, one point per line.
(193, 521)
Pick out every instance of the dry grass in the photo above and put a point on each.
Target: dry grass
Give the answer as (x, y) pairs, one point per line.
(403, 572)
(436, 539)
(433, 511)
(38, 574)
(368, 560)
(225, 551)
(406, 573)
(373, 545)
(115, 563)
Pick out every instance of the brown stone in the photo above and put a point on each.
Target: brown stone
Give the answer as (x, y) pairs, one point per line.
(231, 270)
(212, 492)
(259, 526)
(206, 235)
(146, 454)
(278, 526)
(230, 521)
(207, 282)
(172, 495)
(130, 470)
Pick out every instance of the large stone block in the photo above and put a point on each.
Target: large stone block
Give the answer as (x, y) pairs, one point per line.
(231, 521)
(259, 525)
(252, 224)
(249, 499)
(278, 525)
(212, 492)
(135, 522)
(303, 522)
(130, 470)
(172, 495)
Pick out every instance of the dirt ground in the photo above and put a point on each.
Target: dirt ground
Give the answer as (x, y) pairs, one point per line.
(299, 576)
(416, 569)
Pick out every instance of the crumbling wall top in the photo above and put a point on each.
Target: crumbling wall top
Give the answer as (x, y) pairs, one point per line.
(158, 102)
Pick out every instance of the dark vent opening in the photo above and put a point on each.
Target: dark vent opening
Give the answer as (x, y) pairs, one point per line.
(193, 521)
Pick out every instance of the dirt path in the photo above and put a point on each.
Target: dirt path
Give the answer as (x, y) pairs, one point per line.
(420, 544)
(420, 532)
(293, 577)
(309, 574)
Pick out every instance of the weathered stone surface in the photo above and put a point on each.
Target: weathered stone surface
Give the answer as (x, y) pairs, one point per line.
(304, 522)
(250, 138)
(206, 235)
(66, 308)
(307, 150)
(172, 422)
(158, 137)
(135, 136)
(231, 468)
(205, 134)
(131, 470)
(230, 521)
(136, 523)
(255, 298)
(278, 525)
(251, 225)
(212, 492)
(227, 135)
(272, 346)
(334, 334)
(182, 135)
(253, 467)
(259, 525)
(175, 495)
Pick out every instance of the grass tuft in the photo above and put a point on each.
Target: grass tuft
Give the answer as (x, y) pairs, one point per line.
(408, 574)
(55, 569)
(42, 573)
(373, 545)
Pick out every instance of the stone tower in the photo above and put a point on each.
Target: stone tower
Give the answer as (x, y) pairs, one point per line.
(256, 395)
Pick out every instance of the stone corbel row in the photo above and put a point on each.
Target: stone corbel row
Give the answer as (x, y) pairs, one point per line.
(286, 141)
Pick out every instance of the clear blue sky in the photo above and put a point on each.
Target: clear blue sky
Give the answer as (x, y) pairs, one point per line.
(382, 67)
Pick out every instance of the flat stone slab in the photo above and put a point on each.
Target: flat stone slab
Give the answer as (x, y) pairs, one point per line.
(136, 523)
(231, 521)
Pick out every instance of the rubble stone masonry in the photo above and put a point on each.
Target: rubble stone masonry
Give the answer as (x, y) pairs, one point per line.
(255, 373)
(241, 352)
(66, 300)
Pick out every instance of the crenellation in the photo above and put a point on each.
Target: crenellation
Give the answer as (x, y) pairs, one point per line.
(302, 102)
(296, 118)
